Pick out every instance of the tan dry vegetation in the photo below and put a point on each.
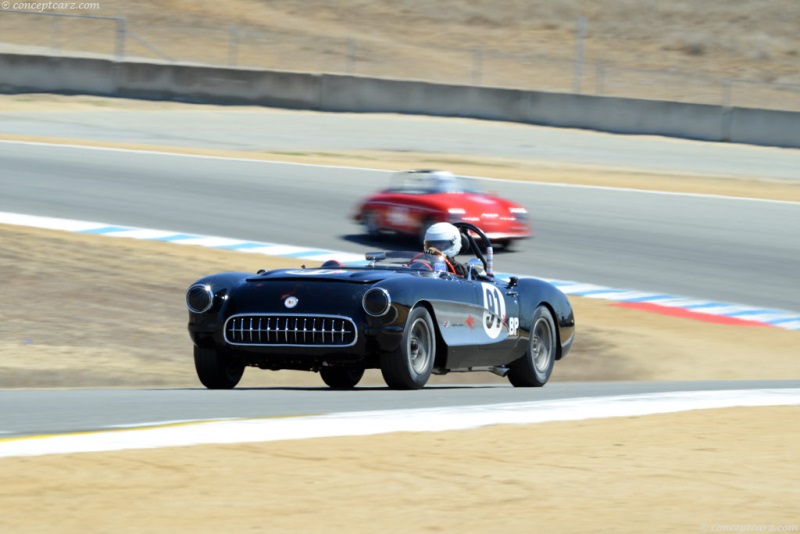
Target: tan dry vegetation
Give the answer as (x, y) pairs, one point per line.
(687, 45)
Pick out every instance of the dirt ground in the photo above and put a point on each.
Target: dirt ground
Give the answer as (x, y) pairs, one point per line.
(701, 471)
(130, 329)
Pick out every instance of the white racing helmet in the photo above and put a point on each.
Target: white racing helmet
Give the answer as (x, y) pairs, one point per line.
(444, 237)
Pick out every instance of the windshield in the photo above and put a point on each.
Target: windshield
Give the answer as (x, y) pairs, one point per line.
(406, 259)
(431, 182)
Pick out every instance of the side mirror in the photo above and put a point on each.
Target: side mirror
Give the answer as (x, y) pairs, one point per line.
(512, 282)
(475, 268)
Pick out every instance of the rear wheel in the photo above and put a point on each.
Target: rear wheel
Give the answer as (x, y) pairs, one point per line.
(410, 365)
(534, 369)
(504, 245)
(341, 377)
(214, 370)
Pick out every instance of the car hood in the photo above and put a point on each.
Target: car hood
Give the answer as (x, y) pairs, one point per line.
(473, 203)
(301, 291)
(354, 276)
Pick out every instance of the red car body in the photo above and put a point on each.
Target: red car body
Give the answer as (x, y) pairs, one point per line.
(416, 199)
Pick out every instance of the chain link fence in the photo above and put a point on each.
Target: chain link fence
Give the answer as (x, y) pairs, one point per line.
(116, 38)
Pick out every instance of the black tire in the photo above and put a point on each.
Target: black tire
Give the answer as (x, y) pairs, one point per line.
(410, 366)
(216, 371)
(341, 377)
(505, 245)
(534, 369)
(370, 219)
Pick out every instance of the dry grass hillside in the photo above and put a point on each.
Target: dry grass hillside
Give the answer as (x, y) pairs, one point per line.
(680, 49)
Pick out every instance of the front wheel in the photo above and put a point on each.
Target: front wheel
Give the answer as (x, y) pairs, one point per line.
(410, 365)
(534, 369)
(341, 377)
(216, 371)
(372, 224)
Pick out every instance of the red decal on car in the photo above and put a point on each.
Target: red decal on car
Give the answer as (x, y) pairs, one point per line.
(470, 322)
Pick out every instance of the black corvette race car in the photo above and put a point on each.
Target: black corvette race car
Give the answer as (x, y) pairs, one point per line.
(401, 312)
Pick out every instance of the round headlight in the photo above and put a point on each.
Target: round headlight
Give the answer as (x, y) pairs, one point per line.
(519, 214)
(376, 301)
(199, 298)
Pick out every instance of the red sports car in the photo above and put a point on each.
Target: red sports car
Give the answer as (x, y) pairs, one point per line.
(416, 199)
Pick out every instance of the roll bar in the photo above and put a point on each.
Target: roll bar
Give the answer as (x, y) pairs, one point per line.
(488, 258)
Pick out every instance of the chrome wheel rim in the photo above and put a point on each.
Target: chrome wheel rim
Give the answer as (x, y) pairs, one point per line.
(541, 344)
(419, 346)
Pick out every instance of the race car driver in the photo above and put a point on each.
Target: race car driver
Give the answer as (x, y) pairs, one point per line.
(444, 240)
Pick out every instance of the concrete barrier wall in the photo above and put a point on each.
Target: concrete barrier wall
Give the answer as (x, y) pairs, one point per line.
(213, 84)
(765, 127)
(619, 115)
(357, 94)
(626, 115)
(326, 92)
(54, 74)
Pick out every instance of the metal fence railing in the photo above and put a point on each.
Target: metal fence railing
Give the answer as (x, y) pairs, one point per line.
(114, 37)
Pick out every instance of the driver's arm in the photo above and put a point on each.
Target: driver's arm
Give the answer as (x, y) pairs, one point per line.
(460, 269)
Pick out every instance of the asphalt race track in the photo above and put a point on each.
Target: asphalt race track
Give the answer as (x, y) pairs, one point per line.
(732, 250)
(39, 412)
(301, 131)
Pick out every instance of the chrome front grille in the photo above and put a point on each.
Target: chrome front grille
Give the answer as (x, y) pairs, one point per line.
(285, 329)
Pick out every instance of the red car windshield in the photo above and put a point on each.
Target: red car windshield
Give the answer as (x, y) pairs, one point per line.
(431, 182)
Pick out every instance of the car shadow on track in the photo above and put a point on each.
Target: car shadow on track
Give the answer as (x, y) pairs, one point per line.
(323, 389)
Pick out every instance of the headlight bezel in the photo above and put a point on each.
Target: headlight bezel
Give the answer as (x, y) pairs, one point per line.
(385, 304)
(518, 214)
(205, 293)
